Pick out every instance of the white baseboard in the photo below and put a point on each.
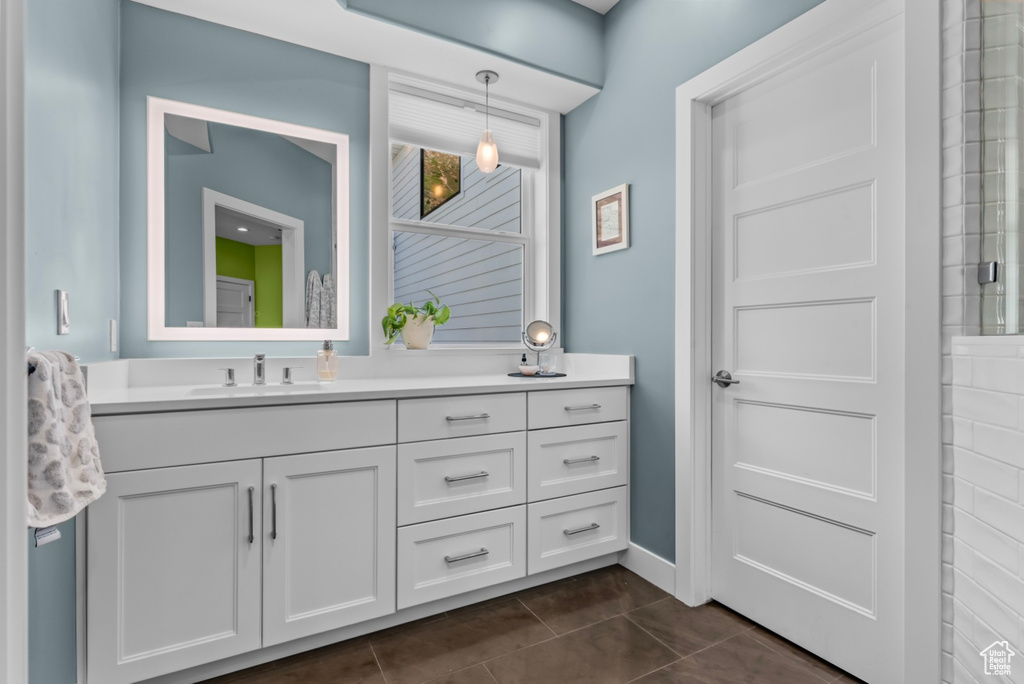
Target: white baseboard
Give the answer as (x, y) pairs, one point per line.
(651, 567)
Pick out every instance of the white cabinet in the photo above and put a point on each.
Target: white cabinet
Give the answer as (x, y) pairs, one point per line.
(173, 570)
(575, 528)
(328, 541)
(573, 460)
(446, 417)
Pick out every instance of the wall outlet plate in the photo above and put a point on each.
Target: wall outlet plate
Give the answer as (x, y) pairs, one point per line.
(63, 313)
(113, 334)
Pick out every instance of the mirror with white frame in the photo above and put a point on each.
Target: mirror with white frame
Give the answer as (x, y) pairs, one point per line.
(248, 227)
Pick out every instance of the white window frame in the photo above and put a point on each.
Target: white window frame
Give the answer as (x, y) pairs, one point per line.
(540, 220)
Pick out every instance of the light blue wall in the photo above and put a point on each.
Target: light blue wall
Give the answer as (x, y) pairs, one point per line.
(180, 58)
(622, 303)
(71, 211)
(255, 166)
(557, 36)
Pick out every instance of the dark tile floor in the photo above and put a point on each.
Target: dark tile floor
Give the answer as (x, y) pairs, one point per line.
(604, 627)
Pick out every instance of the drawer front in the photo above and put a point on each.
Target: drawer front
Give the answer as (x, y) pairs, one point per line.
(447, 557)
(562, 408)
(445, 417)
(576, 528)
(574, 460)
(157, 440)
(451, 477)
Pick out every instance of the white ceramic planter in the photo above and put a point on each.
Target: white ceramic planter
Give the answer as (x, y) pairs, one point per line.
(418, 332)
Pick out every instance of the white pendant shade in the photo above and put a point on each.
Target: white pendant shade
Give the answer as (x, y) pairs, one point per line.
(487, 153)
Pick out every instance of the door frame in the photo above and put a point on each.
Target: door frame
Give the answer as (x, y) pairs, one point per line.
(804, 38)
(13, 436)
(293, 257)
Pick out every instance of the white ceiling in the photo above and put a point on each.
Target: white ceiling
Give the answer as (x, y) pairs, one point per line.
(260, 232)
(323, 25)
(601, 6)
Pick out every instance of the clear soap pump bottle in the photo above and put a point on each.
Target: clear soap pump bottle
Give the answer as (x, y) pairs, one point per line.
(327, 363)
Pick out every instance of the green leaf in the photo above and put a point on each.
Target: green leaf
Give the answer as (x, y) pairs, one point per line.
(443, 314)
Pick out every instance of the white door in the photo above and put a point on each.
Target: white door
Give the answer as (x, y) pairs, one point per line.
(808, 316)
(328, 542)
(235, 306)
(174, 570)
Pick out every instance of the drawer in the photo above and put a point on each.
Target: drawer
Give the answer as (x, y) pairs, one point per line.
(574, 460)
(561, 408)
(576, 528)
(458, 476)
(456, 555)
(445, 417)
(157, 440)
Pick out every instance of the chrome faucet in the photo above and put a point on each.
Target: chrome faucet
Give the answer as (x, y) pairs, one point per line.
(259, 369)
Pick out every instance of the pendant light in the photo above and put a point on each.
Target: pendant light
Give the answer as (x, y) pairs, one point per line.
(487, 150)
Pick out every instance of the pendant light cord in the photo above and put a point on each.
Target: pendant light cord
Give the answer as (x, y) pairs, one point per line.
(487, 102)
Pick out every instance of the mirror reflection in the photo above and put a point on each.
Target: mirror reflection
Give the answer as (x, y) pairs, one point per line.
(250, 227)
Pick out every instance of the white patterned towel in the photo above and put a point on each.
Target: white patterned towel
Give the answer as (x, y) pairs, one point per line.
(328, 310)
(64, 470)
(313, 290)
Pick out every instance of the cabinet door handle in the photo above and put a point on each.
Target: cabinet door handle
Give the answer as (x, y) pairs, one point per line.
(459, 478)
(588, 528)
(251, 537)
(588, 407)
(273, 511)
(479, 416)
(467, 556)
(585, 459)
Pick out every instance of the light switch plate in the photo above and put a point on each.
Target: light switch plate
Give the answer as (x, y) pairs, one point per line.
(63, 313)
(113, 334)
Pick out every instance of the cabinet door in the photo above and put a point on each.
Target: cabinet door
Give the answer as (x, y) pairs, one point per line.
(173, 570)
(329, 541)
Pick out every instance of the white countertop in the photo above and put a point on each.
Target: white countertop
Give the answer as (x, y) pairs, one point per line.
(158, 385)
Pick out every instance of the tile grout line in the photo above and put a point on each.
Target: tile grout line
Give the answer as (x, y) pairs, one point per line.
(546, 625)
(636, 679)
(488, 671)
(790, 658)
(377, 660)
(641, 628)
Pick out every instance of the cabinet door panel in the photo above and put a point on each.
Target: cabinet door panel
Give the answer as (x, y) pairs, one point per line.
(332, 562)
(173, 579)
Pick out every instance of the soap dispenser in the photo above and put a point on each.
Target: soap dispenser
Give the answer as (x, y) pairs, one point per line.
(327, 362)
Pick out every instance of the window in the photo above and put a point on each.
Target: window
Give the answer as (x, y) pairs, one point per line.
(480, 242)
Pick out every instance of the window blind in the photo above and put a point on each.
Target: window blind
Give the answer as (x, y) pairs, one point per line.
(450, 124)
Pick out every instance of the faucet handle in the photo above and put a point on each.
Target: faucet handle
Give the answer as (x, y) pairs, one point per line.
(229, 376)
(286, 374)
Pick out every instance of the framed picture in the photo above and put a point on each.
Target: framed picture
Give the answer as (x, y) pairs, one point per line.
(610, 211)
(441, 176)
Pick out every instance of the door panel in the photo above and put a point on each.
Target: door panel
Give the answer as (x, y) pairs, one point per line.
(173, 579)
(328, 542)
(808, 309)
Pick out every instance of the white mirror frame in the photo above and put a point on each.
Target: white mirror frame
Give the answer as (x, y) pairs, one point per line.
(157, 108)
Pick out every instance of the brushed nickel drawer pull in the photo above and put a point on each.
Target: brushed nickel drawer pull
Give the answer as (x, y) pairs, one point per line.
(251, 537)
(459, 478)
(588, 528)
(273, 511)
(479, 416)
(585, 459)
(475, 554)
(588, 407)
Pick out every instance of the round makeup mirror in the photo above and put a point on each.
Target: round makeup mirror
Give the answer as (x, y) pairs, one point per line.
(539, 336)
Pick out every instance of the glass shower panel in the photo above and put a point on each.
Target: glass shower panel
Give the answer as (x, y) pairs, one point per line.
(1002, 95)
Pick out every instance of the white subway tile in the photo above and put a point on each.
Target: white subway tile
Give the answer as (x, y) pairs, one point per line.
(1003, 515)
(999, 374)
(963, 495)
(962, 371)
(963, 433)
(999, 443)
(1009, 589)
(987, 407)
(985, 539)
(986, 473)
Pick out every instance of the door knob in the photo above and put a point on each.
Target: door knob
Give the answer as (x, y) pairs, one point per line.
(724, 379)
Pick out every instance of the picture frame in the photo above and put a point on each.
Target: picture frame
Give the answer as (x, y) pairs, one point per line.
(610, 220)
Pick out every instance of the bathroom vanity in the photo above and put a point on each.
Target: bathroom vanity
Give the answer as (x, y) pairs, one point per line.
(245, 524)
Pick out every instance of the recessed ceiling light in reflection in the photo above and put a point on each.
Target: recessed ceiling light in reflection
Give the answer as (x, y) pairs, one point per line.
(243, 229)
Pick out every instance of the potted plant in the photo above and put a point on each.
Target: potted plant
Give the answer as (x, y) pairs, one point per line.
(415, 323)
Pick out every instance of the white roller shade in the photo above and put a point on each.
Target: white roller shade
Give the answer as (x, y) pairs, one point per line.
(440, 122)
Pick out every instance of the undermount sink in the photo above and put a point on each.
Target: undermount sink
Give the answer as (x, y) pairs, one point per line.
(255, 390)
